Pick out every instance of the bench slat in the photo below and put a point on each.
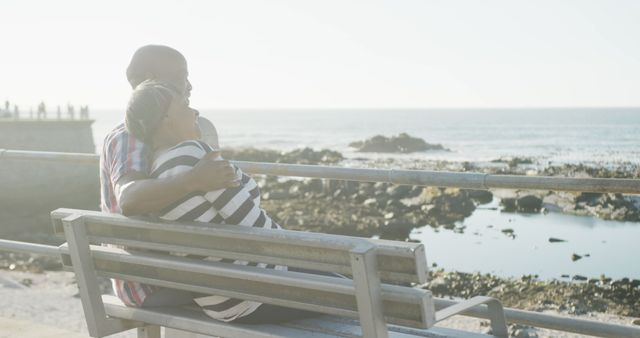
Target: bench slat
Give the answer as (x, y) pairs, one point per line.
(402, 305)
(398, 262)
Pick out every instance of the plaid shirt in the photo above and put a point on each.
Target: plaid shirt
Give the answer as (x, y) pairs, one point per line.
(122, 154)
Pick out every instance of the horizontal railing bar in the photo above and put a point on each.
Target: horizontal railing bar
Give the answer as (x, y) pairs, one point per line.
(395, 176)
(446, 179)
(552, 322)
(30, 248)
(49, 156)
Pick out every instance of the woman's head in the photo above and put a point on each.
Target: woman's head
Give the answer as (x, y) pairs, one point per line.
(159, 115)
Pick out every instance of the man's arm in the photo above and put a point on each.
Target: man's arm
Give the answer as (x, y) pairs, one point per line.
(138, 194)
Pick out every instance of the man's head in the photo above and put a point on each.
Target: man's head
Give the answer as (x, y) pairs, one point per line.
(161, 63)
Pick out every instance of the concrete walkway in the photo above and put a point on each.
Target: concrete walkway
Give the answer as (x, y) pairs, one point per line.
(14, 328)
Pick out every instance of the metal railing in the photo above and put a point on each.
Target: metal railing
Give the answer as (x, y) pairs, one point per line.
(395, 176)
(406, 177)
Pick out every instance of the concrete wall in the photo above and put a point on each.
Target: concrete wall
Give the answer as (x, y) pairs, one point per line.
(73, 136)
(30, 190)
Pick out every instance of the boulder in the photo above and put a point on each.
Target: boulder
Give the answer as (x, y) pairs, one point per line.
(399, 191)
(508, 204)
(480, 196)
(403, 143)
(529, 204)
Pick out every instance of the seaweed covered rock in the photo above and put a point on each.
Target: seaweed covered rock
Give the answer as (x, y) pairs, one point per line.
(524, 204)
(529, 204)
(480, 196)
(608, 206)
(362, 209)
(402, 143)
(621, 297)
(513, 162)
(447, 206)
(310, 156)
(297, 156)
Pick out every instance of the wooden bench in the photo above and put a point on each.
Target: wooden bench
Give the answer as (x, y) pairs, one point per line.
(379, 300)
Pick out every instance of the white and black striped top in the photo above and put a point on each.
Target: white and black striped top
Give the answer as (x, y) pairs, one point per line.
(235, 206)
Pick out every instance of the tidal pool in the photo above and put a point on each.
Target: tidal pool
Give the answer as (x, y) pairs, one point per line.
(607, 247)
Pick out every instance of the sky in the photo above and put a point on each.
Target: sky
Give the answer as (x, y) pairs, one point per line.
(330, 53)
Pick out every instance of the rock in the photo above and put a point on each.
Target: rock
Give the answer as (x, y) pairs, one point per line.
(508, 204)
(298, 156)
(275, 195)
(509, 233)
(338, 193)
(295, 190)
(514, 161)
(395, 230)
(403, 143)
(529, 204)
(636, 321)
(370, 202)
(399, 191)
(575, 257)
(522, 331)
(480, 196)
(309, 156)
(313, 185)
(608, 206)
(556, 240)
(449, 205)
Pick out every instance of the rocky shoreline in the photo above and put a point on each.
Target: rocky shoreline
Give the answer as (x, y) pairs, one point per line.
(437, 206)
(620, 297)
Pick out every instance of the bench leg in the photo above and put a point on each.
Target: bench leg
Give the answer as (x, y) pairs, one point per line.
(151, 331)
(368, 299)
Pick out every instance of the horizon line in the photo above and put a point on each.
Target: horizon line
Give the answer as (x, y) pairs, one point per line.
(404, 108)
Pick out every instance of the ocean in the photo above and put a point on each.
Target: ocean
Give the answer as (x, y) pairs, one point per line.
(600, 136)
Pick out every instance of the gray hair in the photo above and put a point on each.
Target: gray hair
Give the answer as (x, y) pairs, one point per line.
(148, 105)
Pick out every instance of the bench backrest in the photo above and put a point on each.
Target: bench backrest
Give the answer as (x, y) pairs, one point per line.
(367, 261)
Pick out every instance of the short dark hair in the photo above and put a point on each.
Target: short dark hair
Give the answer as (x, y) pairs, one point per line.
(148, 105)
(149, 59)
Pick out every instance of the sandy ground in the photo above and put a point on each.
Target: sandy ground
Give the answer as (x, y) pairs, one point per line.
(50, 300)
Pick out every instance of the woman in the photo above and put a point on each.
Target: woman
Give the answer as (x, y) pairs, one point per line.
(161, 118)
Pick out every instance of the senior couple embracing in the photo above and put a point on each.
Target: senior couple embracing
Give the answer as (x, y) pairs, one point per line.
(163, 161)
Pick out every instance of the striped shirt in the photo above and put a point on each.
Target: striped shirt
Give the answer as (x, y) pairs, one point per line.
(235, 206)
(122, 154)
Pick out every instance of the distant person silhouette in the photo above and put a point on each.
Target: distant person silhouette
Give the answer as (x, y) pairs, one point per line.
(71, 111)
(42, 110)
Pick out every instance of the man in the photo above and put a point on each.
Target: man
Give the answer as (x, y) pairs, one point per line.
(124, 164)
